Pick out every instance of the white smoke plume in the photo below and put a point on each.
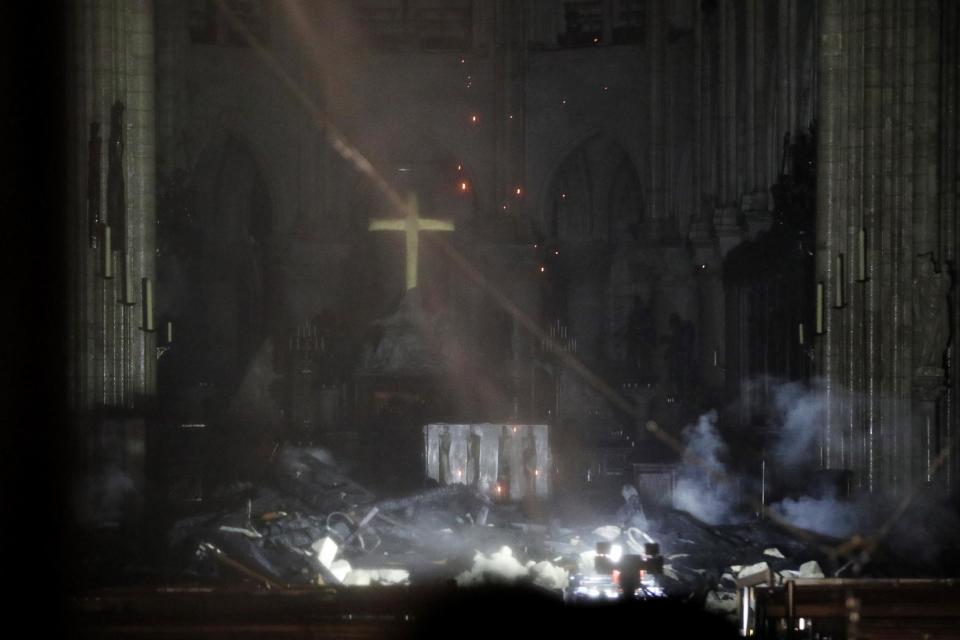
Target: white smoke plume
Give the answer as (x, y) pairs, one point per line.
(826, 515)
(703, 489)
(799, 410)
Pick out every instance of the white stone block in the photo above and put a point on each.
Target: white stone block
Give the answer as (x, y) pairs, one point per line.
(811, 569)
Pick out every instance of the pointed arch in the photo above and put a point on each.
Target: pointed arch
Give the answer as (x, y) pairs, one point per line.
(594, 193)
(231, 283)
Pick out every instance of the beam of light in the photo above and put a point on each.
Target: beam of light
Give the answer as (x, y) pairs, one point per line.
(359, 161)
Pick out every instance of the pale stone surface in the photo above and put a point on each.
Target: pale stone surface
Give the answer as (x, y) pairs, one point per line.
(811, 569)
(326, 550)
(752, 569)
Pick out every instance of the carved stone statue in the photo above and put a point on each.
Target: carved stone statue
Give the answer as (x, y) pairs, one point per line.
(931, 313)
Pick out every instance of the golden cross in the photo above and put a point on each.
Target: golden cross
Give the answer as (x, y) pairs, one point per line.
(412, 224)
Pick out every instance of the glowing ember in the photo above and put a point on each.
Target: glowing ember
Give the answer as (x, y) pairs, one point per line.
(474, 118)
(463, 186)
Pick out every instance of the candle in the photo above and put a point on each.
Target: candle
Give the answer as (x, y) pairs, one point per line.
(107, 253)
(800, 332)
(147, 292)
(838, 288)
(169, 332)
(862, 255)
(818, 319)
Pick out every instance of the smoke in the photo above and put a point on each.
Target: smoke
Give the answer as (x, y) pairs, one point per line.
(710, 490)
(703, 487)
(799, 410)
(826, 515)
(103, 497)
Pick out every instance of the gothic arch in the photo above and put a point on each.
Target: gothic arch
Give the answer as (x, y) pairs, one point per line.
(594, 193)
(231, 279)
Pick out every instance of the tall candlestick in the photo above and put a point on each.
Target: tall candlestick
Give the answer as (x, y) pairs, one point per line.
(818, 318)
(147, 292)
(838, 281)
(107, 267)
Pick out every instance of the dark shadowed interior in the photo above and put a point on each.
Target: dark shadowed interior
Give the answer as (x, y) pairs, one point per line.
(382, 316)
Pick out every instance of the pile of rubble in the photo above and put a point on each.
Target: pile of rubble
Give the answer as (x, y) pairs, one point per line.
(312, 525)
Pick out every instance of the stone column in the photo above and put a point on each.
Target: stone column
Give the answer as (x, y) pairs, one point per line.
(459, 453)
(113, 63)
(431, 437)
(488, 459)
(541, 481)
(879, 170)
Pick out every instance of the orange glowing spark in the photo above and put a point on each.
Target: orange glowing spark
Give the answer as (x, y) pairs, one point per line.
(459, 167)
(463, 186)
(518, 190)
(596, 40)
(542, 269)
(474, 118)
(556, 253)
(462, 60)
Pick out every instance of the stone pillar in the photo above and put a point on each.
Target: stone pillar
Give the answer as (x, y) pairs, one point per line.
(488, 459)
(880, 171)
(948, 195)
(541, 481)
(458, 453)
(513, 455)
(113, 62)
(431, 437)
